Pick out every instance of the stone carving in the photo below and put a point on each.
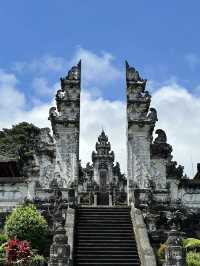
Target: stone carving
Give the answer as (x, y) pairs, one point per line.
(46, 176)
(132, 74)
(136, 111)
(138, 100)
(52, 112)
(175, 253)
(157, 177)
(74, 74)
(65, 125)
(102, 178)
(160, 148)
(174, 171)
(153, 115)
(60, 181)
(161, 138)
(197, 176)
(103, 148)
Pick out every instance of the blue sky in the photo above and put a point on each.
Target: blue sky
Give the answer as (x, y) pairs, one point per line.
(41, 39)
(156, 36)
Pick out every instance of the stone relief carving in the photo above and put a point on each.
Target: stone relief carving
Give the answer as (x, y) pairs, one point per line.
(157, 176)
(132, 74)
(74, 74)
(52, 112)
(197, 176)
(46, 176)
(153, 115)
(60, 181)
(160, 148)
(173, 170)
(161, 138)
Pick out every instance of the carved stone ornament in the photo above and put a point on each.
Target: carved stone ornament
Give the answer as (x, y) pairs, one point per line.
(153, 115)
(74, 74)
(174, 171)
(161, 138)
(197, 176)
(133, 75)
(103, 148)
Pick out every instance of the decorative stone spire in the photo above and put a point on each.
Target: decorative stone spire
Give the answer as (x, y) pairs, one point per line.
(103, 148)
(65, 121)
(138, 99)
(68, 99)
(133, 77)
(141, 121)
(197, 176)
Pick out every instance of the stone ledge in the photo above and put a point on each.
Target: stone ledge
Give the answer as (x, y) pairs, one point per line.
(145, 251)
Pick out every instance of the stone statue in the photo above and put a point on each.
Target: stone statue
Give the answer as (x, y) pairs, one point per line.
(52, 112)
(153, 115)
(132, 74)
(161, 138)
(197, 176)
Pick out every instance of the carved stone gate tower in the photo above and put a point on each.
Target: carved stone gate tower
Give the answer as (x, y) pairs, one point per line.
(140, 124)
(65, 120)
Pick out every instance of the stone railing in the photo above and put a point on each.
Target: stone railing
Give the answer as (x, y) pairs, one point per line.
(145, 251)
(69, 226)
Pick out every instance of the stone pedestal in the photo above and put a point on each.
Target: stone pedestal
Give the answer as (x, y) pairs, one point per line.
(59, 250)
(175, 252)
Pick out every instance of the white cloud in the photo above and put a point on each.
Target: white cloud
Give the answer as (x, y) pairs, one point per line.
(99, 113)
(42, 87)
(98, 70)
(13, 104)
(178, 110)
(12, 100)
(43, 64)
(179, 115)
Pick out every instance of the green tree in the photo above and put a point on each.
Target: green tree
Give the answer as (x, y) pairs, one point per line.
(26, 223)
(17, 136)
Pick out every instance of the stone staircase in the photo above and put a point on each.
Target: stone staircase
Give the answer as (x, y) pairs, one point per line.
(104, 236)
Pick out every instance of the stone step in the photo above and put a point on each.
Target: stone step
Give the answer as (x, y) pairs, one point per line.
(104, 236)
(105, 224)
(107, 259)
(109, 264)
(99, 251)
(106, 221)
(107, 242)
(99, 246)
(103, 230)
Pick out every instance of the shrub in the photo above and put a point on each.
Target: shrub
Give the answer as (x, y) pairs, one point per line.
(192, 244)
(3, 239)
(17, 252)
(26, 223)
(17, 136)
(3, 242)
(2, 254)
(37, 260)
(193, 259)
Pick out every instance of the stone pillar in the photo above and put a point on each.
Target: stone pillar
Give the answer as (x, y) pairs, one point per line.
(140, 124)
(59, 250)
(69, 224)
(31, 189)
(65, 120)
(110, 199)
(95, 199)
(175, 252)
